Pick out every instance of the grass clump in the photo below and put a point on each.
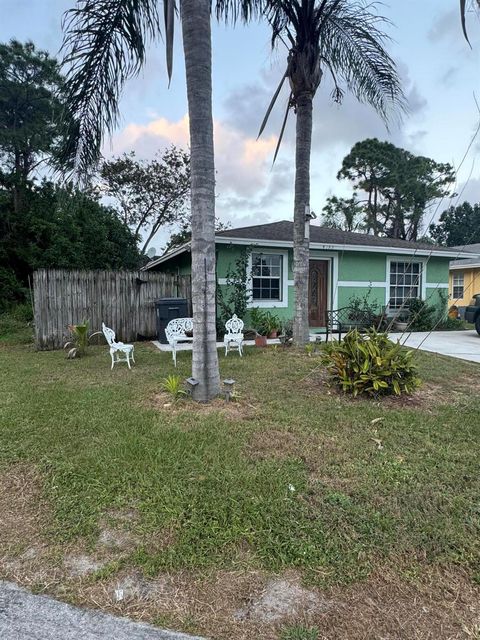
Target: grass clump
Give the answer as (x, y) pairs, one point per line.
(300, 633)
(173, 385)
(16, 326)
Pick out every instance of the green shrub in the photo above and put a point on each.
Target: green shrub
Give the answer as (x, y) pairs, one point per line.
(451, 324)
(361, 305)
(22, 312)
(422, 315)
(370, 364)
(14, 331)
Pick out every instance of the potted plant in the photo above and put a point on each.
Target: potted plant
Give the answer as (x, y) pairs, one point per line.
(259, 322)
(272, 324)
(401, 320)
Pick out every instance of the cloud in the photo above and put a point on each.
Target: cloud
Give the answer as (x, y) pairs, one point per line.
(333, 124)
(248, 189)
(446, 26)
(242, 162)
(448, 78)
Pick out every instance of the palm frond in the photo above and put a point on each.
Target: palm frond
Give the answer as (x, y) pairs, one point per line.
(354, 45)
(244, 10)
(271, 105)
(282, 130)
(463, 15)
(463, 9)
(104, 45)
(169, 9)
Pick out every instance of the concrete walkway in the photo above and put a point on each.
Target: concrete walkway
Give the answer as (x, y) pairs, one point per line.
(24, 616)
(187, 346)
(464, 345)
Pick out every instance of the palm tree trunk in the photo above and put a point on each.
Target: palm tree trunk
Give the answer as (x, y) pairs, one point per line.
(301, 240)
(196, 29)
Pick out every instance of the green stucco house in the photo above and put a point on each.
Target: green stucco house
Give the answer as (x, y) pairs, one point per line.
(342, 265)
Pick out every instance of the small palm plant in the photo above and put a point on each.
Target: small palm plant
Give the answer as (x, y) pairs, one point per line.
(172, 384)
(80, 339)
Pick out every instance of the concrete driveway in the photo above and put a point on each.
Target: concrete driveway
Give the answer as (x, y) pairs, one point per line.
(464, 345)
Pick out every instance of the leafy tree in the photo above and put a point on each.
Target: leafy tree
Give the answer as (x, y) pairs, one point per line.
(399, 186)
(105, 44)
(343, 213)
(184, 235)
(59, 228)
(148, 195)
(31, 112)
(458, 226)
(345, 39)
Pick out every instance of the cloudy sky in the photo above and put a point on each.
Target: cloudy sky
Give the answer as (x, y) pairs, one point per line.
(439, 71)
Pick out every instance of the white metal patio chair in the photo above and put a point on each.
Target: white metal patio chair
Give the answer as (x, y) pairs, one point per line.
(119, 351)
(234, 335)
(176, 331)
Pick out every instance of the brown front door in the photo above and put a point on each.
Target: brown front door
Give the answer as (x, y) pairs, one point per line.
(317, 293)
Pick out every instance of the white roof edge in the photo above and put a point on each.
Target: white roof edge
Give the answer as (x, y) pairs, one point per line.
(347, 247)
(315, 245)
(468, 265)
(167, 256)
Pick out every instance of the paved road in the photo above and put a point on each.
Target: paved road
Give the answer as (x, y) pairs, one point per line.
(464, 345)
(24, 616)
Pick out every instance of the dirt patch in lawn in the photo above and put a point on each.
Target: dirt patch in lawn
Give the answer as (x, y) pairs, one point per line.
(420, 603)
(441, 605)
(310, 448)
(239, 409)
(427, 397)
(25, 516)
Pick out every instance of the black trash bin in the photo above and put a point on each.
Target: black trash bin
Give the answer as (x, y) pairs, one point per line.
(167, 309)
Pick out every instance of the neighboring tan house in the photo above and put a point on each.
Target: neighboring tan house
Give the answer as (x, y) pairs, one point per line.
(464, 280)
(342, 265)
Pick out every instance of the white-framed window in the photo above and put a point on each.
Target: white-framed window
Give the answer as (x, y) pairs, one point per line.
(458, 285)
(267, 277)
(406, 281)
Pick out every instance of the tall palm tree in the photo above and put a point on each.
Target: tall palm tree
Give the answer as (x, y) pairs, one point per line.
(344, 38)
(105, 44)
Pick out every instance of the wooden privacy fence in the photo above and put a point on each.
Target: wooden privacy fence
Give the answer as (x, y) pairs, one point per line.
(124, 300)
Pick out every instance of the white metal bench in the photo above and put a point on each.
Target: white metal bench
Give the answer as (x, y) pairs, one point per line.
(119, 351)
(234, 335)
(176, 331)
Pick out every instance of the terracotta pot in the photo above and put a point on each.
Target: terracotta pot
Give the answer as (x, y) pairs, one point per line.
(261, 341)
(272, 334)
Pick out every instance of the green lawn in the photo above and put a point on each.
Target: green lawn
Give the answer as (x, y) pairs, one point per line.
(291, 477)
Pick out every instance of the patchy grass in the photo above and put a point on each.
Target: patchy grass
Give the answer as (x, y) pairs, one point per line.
(204, 505)
(297, 632)
(15, 330)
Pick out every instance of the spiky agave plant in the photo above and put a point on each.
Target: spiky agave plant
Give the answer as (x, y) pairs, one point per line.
(344, 38)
